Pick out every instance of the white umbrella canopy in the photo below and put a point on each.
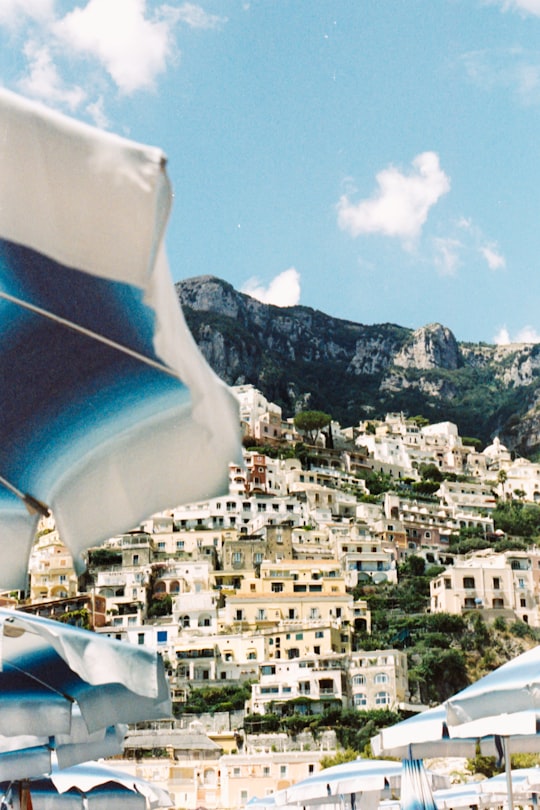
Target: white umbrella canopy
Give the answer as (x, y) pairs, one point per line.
(89, 786)
(70, 690)
(109, 411)
(504, 702)
(499, 714)
(360, 776)
(469, 794)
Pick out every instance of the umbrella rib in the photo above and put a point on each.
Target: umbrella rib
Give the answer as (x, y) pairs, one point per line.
(32, 504)
(89, 333)
(9, 664)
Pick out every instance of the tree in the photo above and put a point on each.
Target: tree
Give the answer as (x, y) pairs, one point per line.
(311, 423)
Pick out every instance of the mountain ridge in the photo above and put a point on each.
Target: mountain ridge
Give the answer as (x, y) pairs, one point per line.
(300, 357)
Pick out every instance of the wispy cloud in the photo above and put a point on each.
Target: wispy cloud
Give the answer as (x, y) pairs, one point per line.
(43, 80)
(514, 69)
(197, 17)
(527, 334)
(13, 13)
(528, 6)
(475, 240)
(283, 290)
(495, 260)
(447, 255)
(400, 205)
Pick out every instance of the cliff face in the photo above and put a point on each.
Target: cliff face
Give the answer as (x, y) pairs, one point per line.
(301, 357)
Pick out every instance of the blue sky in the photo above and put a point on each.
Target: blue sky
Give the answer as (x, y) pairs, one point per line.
(378, 160)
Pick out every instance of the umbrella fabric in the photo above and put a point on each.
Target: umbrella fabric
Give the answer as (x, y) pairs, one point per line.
(505, 702)
(109, 412)
(465, 796)
(89, 785)
(415, 790)
(22, 756)
(47, 666)
(360, 776)
(427, 734)
(70, 691)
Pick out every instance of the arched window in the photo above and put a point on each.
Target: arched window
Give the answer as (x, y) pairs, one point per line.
(359, 680)
(381, 677)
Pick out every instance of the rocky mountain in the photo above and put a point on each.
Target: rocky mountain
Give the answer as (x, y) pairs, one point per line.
(301, 358)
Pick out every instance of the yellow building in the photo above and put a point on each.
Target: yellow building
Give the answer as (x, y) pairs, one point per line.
(302, 594)
(52, 575)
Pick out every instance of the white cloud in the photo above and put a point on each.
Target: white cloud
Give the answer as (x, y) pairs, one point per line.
(13, 12)
(515, 69)
(527, 334)
(447, 258)
(97, 113)
(493, 257)
(197, 17)
(401, 204)
(43, 81)
(283, 290)
(133, 48)
(530, 6)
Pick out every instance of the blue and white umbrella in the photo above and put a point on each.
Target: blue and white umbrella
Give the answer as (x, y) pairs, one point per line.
(499, 714)
(90, 786)
(108, 412)
(359, 781)
(70, 690)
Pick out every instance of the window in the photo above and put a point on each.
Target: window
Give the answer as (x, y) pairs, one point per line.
(496, 583)
(266, 770)
(277, 587)
(261, 614)
(299, 636)
(319, 634)
(314, 613)
(179, 545)
(468, 582)
(382, 699)
(359, 680)
(360, 700)
(237, 556)
(381, 677)
(283, 770)
(161, 636)
(140, 638)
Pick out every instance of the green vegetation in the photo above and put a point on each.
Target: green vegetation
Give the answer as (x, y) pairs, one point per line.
(104, 557)
(215, 699)
(354, 729)
(160, 607)
(310, 423)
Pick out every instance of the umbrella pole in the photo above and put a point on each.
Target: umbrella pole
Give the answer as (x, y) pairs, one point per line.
(508, 771)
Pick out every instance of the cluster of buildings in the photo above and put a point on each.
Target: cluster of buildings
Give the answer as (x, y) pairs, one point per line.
(260, 587)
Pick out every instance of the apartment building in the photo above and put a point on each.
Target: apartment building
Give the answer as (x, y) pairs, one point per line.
(305, 591)
(498, 584)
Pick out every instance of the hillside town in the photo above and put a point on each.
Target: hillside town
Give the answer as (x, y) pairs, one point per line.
(262, 587)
